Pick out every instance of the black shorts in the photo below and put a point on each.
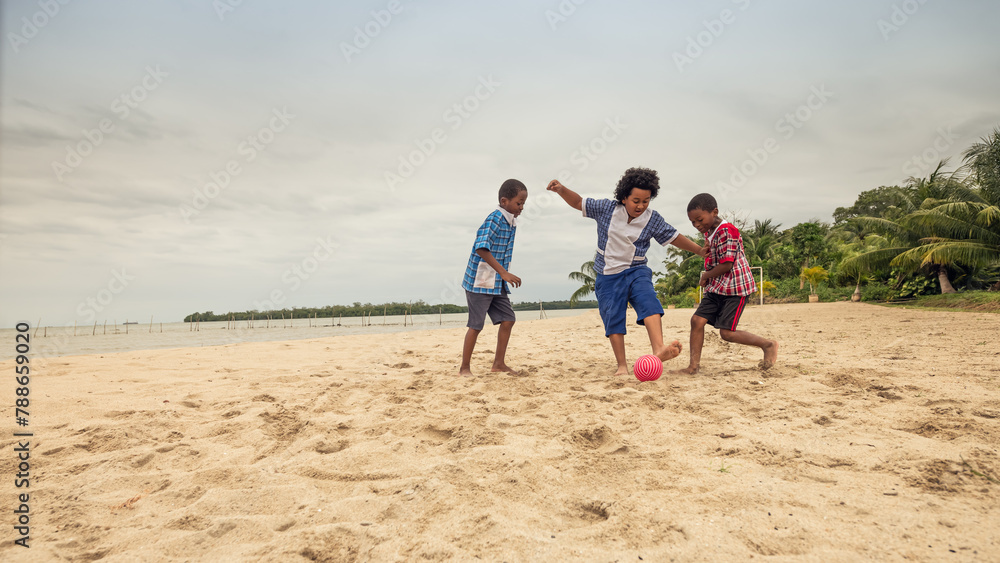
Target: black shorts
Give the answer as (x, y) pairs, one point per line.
(722, 311)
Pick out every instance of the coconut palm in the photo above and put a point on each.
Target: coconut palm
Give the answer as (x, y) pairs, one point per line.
(902, 251)
(938, 235)
(762, 229)
(982, 161)
(760, 241)
(861, 241)
(588, 277)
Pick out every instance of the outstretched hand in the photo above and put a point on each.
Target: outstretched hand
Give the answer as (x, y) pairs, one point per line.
(555, 186)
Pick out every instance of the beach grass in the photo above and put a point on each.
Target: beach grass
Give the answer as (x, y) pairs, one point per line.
(971, 301)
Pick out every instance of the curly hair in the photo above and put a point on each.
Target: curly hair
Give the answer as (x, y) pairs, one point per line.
(642, 178)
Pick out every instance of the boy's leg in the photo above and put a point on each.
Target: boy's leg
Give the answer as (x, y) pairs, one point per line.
(696, 344)
(649, 311)
(503, 337)
(618, 346)
(731, 311)
(467, 348)
(501, 312)
(612, 300)
(654, 328)
(770, 347)
(708, 310)
(478, 304)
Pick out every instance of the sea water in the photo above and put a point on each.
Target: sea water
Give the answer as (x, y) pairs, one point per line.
(61, 341)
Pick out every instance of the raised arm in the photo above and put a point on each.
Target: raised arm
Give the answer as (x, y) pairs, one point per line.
(569, 196)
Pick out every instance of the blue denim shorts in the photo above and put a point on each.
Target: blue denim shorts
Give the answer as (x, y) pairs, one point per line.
(615, 292)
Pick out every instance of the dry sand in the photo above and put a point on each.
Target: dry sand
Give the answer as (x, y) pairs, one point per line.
(874, 439)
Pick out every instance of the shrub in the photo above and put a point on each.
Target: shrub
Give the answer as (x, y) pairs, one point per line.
(878, 292)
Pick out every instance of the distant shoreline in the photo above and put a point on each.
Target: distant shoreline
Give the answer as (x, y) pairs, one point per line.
(372, 310)
(48, 342)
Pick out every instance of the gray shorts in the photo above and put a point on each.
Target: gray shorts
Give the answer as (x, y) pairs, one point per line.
(498, 306)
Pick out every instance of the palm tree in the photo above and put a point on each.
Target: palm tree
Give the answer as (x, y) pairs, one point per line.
(938, 235)
(588, 277)
(861, 240)
(760, 241)
(763, 228)
(982, 160)
(903, 251)
(966, 232)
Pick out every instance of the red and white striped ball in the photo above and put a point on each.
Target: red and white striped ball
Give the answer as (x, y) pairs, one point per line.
(648, 368)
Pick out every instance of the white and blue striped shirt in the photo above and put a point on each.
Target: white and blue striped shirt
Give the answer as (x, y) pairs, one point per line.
(622, 244)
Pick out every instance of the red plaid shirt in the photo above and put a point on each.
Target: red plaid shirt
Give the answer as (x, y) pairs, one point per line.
(726, 245)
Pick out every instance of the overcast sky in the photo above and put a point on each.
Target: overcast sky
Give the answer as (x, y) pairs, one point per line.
(161, 158)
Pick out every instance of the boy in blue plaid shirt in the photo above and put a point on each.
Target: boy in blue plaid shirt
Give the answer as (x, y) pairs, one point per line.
(728, 282)
(625, 227)
(487, 277)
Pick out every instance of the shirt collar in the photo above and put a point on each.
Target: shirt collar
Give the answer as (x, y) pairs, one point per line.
(628, 218)
(508, 216)
(712, 236)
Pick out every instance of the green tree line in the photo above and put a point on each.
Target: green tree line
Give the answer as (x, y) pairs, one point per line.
(935, 234)
(358, 309)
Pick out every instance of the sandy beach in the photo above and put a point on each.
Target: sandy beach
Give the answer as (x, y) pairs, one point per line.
(875, 438)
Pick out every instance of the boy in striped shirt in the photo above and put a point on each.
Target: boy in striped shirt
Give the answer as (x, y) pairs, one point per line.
(626, 227)
(728, 282)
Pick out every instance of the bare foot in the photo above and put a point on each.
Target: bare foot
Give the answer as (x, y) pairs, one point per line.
(669, 352)
(622, 370)
(690, 370)
(465, 371)
(503, 368)
(770, 355)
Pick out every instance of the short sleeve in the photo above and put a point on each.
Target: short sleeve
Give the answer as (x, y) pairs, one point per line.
(597, 208)
(663, 232)
(728, 244)
(486, 234)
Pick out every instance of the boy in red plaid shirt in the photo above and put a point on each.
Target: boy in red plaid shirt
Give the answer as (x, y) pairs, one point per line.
(728, 282)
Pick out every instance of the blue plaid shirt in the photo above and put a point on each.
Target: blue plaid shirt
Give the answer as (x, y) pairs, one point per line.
(496, 235)
(622, 244)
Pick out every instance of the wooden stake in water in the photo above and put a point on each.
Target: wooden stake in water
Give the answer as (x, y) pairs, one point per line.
(151, 324)
(95, 329)
(37, 326)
